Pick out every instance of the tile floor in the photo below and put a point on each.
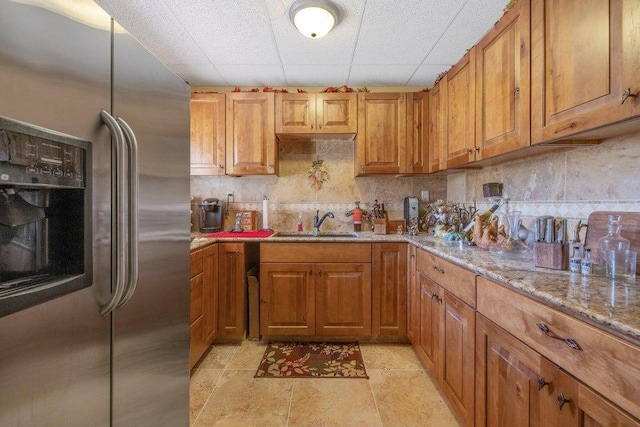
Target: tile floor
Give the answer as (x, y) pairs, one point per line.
(397, 393)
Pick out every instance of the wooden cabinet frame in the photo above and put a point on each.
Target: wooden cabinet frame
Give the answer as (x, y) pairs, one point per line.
(313, 113)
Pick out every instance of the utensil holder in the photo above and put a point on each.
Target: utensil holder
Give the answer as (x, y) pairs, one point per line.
(551, 255)
(380, 226)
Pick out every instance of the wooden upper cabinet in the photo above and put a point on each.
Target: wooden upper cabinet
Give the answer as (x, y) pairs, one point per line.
(316, 113)
(207, 133)
(584, 58)
(250, 137)
(459, 144)
(437, 125)
(503, 85)
(381, 141)
(418, 132)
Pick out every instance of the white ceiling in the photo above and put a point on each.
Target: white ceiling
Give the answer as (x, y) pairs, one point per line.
(253, 42)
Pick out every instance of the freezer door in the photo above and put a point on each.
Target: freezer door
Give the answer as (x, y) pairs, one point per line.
(151, 332)
(55, 73)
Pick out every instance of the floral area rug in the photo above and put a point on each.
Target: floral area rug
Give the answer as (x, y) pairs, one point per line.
(312, 360)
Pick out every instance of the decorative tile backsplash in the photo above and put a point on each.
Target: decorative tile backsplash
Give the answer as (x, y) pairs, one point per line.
(570, 184)
(291, 192)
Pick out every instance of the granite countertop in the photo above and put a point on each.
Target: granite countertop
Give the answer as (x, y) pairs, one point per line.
(611, 304)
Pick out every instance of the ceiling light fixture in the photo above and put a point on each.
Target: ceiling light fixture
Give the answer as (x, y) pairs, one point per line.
(314, 18)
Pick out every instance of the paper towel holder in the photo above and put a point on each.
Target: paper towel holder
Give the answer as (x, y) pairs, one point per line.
(265, 214)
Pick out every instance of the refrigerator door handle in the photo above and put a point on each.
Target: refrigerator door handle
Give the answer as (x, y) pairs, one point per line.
(132, 280)
(118, 290)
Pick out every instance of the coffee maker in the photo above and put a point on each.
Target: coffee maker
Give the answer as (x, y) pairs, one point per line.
(210, 215)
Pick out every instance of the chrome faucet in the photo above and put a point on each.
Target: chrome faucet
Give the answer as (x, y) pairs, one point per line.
(317, 221)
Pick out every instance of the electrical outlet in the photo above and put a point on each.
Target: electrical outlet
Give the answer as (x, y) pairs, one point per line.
(229, 197)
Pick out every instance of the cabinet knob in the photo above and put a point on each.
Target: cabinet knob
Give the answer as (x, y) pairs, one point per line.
(627, 94)
(562, 400)
(220, 166)
(311, 126)
(438, 269)
(362, 167)
(320, 126)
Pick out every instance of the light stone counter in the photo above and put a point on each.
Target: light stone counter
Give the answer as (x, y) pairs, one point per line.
(611, 304)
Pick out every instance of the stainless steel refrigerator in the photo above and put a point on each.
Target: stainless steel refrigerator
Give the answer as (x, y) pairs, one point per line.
(75, 359)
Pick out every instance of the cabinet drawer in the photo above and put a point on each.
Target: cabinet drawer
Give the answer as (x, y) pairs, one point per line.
(608, 364)
(457, 280)
(315, 252)
(196, 263)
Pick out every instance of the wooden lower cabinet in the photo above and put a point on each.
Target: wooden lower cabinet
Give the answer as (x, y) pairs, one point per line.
(202, 304)
(413, 298)
(320, 299)
(507, 376)
(343, 299)
(446, 344)
(234, 260)
(389, 289)
(287, 299)
(457, 371)
(210, 276)
(568, 402)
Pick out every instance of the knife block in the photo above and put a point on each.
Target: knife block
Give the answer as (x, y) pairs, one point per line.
(380, 225)
(551, 255)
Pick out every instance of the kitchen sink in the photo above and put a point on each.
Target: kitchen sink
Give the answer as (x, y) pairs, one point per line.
(327, 234)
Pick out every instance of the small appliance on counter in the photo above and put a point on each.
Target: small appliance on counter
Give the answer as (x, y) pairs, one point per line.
(411, 210)
(210, 215)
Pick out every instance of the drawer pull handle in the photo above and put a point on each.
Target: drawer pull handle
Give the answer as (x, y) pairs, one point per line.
(569, 341)
(562, 400)
(542, 383)
(438, 269)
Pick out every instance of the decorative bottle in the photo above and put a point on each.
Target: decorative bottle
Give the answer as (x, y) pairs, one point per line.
(585, 264)
(357, 218)
(300, 228)
(613, 240)
(576, 259)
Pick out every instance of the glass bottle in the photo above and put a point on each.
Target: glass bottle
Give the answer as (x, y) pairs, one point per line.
(613, 240)
(585, 264)
(575, 260)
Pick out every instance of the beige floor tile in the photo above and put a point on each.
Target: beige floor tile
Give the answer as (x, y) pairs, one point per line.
(248, 356)
(202, 383)
(389, 356)
(241, 400)
(219, 356)
(332, 402)
(409, 398)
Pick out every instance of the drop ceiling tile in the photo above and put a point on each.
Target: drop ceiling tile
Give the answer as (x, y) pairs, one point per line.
(473, 21)
(229, 32)
(380, 75)
(253, 75)
(199, 75)
(401, 32)
(335, 48)
(316, 75)
(155, 26)
(425, 75)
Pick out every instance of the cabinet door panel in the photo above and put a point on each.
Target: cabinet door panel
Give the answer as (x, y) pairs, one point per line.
(507, 373)
(250, 134)
(389, 289)
(337, 112)
(343, 299)
(232, 291)
(381, 142)
(503, 72)
(429, 347)
(460, 99)
(295, 112)
(413, 299)
(437, 125)
(207, 134)
(584, 56)
(418, 132)
(457, 368)
(210, 275)
(287, 299)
